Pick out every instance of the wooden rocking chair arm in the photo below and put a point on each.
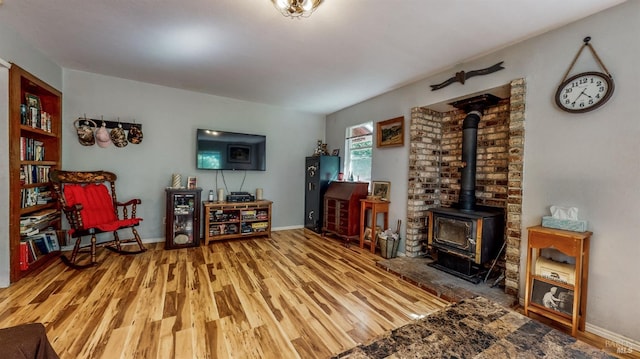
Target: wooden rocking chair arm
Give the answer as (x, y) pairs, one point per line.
(75, 208)
(129, 202)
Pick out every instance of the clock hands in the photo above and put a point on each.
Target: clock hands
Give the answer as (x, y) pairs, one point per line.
(581, 93)
(576, 99)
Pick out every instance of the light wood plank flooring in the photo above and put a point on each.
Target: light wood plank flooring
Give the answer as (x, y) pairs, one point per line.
(294, 295)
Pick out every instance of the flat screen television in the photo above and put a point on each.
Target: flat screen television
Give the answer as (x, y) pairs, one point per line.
(222, 150)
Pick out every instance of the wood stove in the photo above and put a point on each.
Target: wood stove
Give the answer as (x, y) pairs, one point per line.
(466, 236)
(465, 240)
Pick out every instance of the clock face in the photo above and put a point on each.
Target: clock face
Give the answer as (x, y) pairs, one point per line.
(584, 92)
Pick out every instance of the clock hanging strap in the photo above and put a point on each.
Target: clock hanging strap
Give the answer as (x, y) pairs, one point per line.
(593, 52)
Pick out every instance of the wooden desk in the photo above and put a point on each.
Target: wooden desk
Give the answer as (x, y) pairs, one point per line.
(376, 206)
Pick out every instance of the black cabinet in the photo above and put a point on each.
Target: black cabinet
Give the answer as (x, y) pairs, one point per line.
(183, 218)
(320, 171)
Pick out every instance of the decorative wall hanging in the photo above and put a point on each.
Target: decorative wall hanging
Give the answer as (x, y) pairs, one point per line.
(390, 133)
(86, 129)
(584, 91)
(462, 76)
(113, 124)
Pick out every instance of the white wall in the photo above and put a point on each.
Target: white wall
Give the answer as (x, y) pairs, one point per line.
(169, 119)
(4, 173)
(587, 160)
(14, 49)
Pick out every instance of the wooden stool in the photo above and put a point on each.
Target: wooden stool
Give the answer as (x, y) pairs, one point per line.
(376, 206)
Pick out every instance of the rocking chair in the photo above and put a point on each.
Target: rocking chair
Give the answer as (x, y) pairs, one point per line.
(90, 209)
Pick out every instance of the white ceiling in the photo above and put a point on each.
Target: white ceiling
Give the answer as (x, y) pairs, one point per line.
(346, 52)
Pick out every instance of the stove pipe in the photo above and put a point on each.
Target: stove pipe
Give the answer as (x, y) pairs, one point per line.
(473, 107)
(467, 197)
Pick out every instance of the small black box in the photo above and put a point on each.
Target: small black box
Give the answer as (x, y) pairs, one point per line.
(244, 197)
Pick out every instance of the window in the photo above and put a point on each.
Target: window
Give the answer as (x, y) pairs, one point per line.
(358, 151)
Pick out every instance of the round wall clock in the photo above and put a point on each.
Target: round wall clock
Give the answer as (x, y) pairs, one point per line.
(584, 92)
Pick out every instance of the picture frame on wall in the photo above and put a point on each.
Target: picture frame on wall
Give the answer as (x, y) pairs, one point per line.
(552, 296)
(390, 133)
(381, 189)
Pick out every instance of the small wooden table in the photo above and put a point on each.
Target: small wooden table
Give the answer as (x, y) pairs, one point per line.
(376, 206)
(573, 244)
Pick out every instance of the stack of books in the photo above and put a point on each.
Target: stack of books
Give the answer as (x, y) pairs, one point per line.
(35, 222)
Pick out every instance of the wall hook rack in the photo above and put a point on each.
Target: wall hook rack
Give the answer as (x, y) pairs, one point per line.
(113, 124)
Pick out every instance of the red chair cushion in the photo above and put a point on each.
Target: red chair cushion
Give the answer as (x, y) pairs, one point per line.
(97, 207)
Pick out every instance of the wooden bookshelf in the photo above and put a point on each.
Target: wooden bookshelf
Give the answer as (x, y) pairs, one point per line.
(36, 128)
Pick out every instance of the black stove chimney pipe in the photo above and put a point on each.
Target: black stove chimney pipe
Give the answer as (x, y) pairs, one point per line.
(467, 198)
(473, 107)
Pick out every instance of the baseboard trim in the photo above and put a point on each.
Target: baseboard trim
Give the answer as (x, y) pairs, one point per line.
(285, 228)
(621, 344)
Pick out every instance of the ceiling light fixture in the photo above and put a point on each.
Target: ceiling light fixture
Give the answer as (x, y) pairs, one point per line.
(296, 8)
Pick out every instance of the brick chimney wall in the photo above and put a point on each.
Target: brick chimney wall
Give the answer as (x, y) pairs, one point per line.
(434, 177)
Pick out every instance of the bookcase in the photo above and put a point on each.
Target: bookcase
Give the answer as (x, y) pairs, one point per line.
(231, 220)
(35, 135)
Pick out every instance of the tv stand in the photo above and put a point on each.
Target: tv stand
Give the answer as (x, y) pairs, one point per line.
(232, 220)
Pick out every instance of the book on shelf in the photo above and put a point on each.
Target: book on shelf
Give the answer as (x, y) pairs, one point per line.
(40, 245)
(29, 231)
(34, 174)
(32, 256)
(51, 238)
(24, 256)
(34, 196)
(35, 222)
(31, 149)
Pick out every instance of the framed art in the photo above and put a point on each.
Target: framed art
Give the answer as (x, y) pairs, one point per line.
(552, 296)
(192, 182)
(239, 154)
(390, 133)
(381, 189)
(32, 100)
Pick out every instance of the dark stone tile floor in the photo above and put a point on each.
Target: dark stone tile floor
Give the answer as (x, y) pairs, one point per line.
(443, 284)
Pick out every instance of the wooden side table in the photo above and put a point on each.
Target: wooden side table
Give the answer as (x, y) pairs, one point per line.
(574, 244)
(376, 206)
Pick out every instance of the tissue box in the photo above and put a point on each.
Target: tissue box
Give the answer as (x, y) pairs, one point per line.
(566, 224)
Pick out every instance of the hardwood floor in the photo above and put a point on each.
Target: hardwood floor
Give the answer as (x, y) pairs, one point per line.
(294, 295)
